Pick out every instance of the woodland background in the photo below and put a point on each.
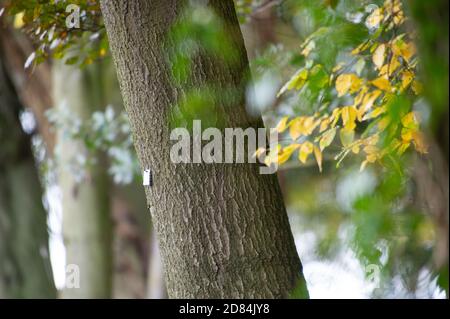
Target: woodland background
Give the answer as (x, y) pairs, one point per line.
(358, 90)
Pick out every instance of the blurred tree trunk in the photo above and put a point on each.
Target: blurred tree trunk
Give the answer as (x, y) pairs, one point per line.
(87, 226)
(33, 85)
(259, 31)
(25, 270)
(431, 20)
(222, 229)
(131, 241)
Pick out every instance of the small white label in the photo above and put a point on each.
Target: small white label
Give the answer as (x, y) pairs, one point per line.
(146, 177)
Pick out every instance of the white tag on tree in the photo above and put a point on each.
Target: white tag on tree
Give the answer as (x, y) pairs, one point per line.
(147, 178)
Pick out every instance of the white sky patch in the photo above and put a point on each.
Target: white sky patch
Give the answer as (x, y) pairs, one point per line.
(27, 121)
(262, 93)
(342, 278)
(57, 250)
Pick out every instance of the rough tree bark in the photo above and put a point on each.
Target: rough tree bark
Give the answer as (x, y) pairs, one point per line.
(222, 229)
(25, 270)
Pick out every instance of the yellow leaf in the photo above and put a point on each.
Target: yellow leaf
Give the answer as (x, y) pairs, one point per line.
(374, 19)
(371, 149)
(367, 103)
(375, 113)
(404, 49)
(410, 120)
(355, 149)
(281, 126)
(286, 153)
(296, 82)
(347, 137)
(327, 138)
(318, 156)
(393, 7)
(338, 67)
(363, 166)
(407, 135)
(409, 51)
(349, 115)
(309, 125)
(388, 69)
(305, 150)
(18, 20)
(399, 18)
(403, 147)
(343, 83)
(372, 158)
(378, 56)
(296, 127)
(359, 98)
(372, 140)
(324, 124)
(302, 126)
(407, 77)
(335, 116)
(347, 83)
(360, 48)
(417, 87)
(382, 83)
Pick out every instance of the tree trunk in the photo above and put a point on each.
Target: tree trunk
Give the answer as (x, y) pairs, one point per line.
(131, 240)
(33, 84)
(87, 223)
(222, 229)
(432, 177)
(25, 270)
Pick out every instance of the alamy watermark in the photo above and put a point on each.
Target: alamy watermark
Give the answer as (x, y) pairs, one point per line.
(230, 146)
(373, 273)
(72, 276)
(73, 17)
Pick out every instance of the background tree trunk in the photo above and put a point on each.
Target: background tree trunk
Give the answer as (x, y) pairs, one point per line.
(222, 229)
(87, 226)
(131, 241)
(431, 21)
(25, 270)
(33, 85)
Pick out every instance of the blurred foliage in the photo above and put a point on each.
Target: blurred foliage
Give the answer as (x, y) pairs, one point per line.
(372, 214)
(429, 18)
(104, 131)
(366, 98)
(45, 21)
(200, 35)
(245, 8)
(357, 60)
